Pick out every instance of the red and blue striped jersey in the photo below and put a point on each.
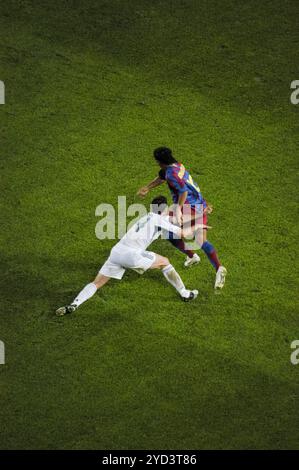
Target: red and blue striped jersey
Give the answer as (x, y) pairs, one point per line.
(179, 181)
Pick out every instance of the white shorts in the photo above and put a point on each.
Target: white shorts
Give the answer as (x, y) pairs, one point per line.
(123, 257)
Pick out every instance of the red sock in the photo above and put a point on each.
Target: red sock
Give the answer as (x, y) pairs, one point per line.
(214, 259)
(211, 253)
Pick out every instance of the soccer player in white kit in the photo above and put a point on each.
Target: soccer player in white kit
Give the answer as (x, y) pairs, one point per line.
(131, 253)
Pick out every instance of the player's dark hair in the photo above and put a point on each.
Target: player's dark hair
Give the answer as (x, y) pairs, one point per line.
(164, 155)
(159, 204)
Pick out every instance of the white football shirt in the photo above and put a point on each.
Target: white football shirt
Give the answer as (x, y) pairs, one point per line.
(146, 230)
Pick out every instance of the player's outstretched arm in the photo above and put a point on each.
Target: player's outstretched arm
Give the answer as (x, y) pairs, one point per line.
(142, 192)
(163, 223)
(187, 232)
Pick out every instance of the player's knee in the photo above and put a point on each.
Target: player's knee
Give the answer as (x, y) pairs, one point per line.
(161, 262)
(165, 262)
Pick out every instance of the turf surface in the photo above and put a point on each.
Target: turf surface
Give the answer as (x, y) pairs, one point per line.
(91, 88)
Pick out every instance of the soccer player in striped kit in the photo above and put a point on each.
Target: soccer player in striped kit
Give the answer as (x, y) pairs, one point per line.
(190, 206)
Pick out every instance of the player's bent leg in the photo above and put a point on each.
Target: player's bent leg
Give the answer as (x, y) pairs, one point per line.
(211, 253)
(173, 277)
(160, 262)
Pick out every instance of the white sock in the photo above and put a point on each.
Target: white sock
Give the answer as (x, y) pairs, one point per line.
(88, 291)
(174, 279)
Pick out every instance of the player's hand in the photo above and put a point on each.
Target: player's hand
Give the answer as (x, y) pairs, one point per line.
(143, 191)
(209, 209)
(202, 227)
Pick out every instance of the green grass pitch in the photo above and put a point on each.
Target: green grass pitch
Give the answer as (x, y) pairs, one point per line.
(92, 87)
